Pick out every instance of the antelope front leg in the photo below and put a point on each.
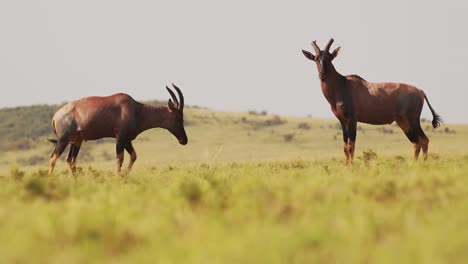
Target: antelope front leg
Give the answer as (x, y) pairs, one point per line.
(345, 140)
(352, 127)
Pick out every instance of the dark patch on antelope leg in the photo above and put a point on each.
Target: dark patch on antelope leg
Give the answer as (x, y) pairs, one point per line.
(71, 154)
(120, 147)
(423, 141)
(74, 153)
(77, 150)
(413, 136)
(352, 127)
(345, 139)
(133, 156)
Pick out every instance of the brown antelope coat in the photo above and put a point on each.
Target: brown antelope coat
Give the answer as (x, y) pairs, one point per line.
(117, 116)
(353, 99)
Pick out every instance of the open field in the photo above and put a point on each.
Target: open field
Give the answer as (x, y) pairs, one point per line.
(226, 137)
(248, 188)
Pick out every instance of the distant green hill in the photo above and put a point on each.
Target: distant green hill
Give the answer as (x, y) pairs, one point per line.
(21, 126)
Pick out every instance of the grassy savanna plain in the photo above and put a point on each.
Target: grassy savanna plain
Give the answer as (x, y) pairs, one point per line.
(248, 188)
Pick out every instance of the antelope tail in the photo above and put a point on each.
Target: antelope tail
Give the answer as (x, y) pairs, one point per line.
(436, 119)
(55, 132)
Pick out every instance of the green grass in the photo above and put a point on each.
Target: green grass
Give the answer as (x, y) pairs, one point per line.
(387, 210)
(246, 189)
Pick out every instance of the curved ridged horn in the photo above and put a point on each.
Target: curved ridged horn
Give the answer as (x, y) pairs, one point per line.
(327, 48)
(174, 98)
(181, 96)
(316, 48)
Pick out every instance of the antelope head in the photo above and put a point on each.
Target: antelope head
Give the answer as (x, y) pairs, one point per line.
(175, 123)
(323, 58)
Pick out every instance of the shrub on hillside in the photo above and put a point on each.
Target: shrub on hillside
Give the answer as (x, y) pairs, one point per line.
(368, 156)
(255, 113)
(288, 137)
(304, 126)
(32, 160)
(385, 130)
(257, 124)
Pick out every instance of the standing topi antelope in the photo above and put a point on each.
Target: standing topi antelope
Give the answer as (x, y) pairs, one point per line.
(118, 116)
(352, 100)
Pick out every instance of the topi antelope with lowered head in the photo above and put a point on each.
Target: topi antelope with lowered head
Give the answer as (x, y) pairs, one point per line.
(352, 100)
(118, 116)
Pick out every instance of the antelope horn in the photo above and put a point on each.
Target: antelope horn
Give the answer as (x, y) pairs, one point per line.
(316, 48)
(181, 96)
(327, 48)
(174, 98)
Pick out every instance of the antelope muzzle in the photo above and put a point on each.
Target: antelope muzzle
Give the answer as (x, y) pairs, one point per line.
(183, 140)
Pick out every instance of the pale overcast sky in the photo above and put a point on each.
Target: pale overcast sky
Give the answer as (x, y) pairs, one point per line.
(230, 55)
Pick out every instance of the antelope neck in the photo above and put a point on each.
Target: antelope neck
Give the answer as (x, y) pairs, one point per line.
(332, 84)
(153, 117)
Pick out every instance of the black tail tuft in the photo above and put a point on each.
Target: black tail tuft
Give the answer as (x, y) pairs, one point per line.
(52, 140)
(437, 120)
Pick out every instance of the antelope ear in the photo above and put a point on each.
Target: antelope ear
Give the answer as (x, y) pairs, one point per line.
(335, 52)
(171, 105)
(308, 55)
